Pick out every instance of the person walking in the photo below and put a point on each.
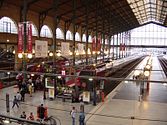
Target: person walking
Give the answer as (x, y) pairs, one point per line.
(73, 115)
(18, 97)
(81, 118)
(22, 92)
(15, 102)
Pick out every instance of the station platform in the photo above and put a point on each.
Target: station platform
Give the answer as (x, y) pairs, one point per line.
(121, 106)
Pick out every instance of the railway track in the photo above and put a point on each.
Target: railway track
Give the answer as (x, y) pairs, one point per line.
(163, 63)
(122, 72)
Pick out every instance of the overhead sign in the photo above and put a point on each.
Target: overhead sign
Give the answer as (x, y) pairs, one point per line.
(86, 96)
(41, 48)
(51, 93)
(65, 48)
(80, 48)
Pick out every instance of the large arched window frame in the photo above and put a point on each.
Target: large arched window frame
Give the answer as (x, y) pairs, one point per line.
(90, 39)
(8, 25)
(34, 30)
(150, 34)
(77, 37)
(46, 32)
(69, 35)
(83, 38)
(59, 34)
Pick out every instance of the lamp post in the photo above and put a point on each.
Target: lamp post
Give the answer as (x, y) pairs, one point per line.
(8, 77)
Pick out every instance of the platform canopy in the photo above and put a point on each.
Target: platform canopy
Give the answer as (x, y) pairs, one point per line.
(109, 16)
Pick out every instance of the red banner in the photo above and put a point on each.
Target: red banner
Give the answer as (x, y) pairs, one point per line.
(20, 38)
(29, 38)
(94, 44)
(98, 44)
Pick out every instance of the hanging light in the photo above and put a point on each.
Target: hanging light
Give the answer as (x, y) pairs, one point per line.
(14, 52)
(136, 73)
(50, 54)
(70, 53)
(20, 55)
(77, 53)
(29, 55)
(59, 77)
(90, 79)
(94, 52)
(33, 51)
(58, 54)
(98, 52)
(83, 52)
(89, 51)
(146, 73)
(32, 75)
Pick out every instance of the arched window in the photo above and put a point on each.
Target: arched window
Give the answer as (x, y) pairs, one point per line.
(34, 30)
(46, 32)
(106, 41)
(83, 38)
(90, 38)
(69, 35)
(59, 34)
(7, 25)
(77, 37)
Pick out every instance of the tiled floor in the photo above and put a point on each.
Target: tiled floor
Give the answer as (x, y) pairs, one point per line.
(56, 108)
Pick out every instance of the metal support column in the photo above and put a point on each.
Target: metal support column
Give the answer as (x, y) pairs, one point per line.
(113, 37)
(109, 47)
(96, 16)
(87, 31)
(103, 36)
(56, 21)
(74, 30)
(24, 13)
(120, 47)
(117, 46)
(122, 41)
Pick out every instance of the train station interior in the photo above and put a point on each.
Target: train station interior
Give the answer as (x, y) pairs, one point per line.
(83, 62)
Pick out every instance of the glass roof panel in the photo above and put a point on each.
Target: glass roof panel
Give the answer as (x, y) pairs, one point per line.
(149, 10)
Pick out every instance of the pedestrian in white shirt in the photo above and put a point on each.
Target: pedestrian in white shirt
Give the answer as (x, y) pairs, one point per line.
(73, 115)
(18, 97)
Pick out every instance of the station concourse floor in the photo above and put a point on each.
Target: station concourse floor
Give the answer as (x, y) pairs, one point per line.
(121, 107)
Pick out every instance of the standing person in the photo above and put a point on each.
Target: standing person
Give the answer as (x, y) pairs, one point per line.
(41, 112)
(15, 102)
(22, 92)
(30, 89)
(73, 115)
(81, 118)
(18, 97)
(23, 115)
(31, 117)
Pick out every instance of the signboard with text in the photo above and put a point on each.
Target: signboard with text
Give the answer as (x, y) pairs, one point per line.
(41, 48)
